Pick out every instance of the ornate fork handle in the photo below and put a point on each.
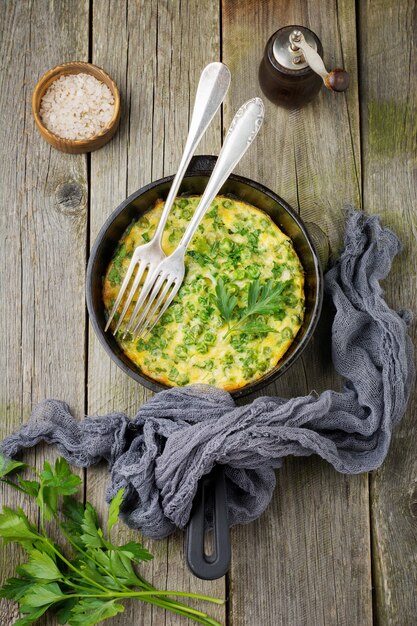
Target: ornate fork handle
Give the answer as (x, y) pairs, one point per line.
(242, 132)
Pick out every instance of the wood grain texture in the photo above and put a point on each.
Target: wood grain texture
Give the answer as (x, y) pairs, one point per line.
(307, 560)
(43, 199)
(389, 112)
(156, 57)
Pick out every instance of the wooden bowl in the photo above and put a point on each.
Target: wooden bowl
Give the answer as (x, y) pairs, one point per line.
(76, 146)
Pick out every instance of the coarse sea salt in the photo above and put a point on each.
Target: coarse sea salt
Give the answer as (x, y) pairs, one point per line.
(77, 106)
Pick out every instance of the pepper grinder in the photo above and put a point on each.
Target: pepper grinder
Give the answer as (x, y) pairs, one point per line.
(292, 70)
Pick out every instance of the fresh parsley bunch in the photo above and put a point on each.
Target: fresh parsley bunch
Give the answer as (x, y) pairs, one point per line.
(85, 585)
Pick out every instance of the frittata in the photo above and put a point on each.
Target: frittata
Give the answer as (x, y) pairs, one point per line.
(241, 303)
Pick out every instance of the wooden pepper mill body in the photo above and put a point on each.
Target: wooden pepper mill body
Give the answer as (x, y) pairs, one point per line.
(292, 72)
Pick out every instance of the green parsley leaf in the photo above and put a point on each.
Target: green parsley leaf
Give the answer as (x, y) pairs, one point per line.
(121, 566)
(30, 487)
(31, 615)
(265, 299)
(225, 302)
(15, 588)
(255, 328)
(62, 478)
(73, 511)
(135, 551)
(114, 510)
(64, 612)
(9, 465)
(253, 293)
(89, 611)
(15, 526)
(42, 566)
(101, 557)
(39, 595)
(95, 572)
(92, 534)
(60, 481)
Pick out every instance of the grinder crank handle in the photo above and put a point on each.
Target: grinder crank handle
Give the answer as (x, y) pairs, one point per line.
(335, 80)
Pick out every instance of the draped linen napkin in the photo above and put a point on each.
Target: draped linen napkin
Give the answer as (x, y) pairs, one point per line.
(180, 434)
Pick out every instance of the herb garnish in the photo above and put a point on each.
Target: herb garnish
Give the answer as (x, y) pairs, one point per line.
(85, 588)
(264, 299)
(225, 302)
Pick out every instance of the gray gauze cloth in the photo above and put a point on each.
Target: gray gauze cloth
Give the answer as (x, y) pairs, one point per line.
(180, 434)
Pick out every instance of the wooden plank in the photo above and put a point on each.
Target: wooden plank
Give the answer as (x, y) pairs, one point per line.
(388, 70)
(307, 560)
(154, 52)
(43, 228)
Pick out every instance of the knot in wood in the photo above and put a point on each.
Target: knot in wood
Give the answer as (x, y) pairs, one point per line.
(69, 197)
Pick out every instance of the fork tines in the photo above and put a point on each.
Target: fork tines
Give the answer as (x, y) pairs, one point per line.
(141, 267)
(155, 297)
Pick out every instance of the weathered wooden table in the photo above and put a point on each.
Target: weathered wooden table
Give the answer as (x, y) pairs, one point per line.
(330, 550)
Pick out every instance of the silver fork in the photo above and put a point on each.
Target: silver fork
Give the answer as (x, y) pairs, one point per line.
(167, 278)
(212, 88)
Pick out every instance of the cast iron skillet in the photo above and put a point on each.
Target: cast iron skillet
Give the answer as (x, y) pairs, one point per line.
(203, 565)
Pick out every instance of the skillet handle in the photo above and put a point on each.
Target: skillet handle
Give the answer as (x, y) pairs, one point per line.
(216, 565)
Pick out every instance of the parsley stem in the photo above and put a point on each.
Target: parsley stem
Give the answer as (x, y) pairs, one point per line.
(179, 607)
(182, 594)
(184, 610)
(167, 604)
(238, 323)
(89, 556)
(231, 329)
(70, 565)
(153, 592)
(69, 583)
(5, 481)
